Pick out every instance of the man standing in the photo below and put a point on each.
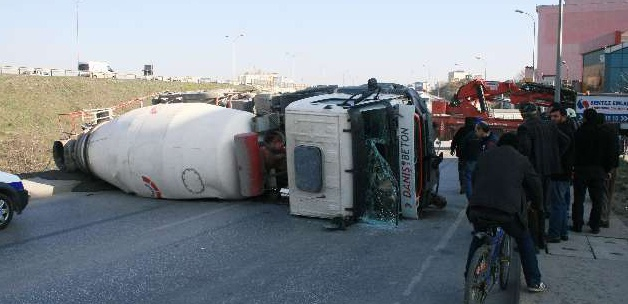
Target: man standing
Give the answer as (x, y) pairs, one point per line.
(543, 143)
(592, 167)
(610, 131)
(560, 182)
(456, 149)
(488, 140)
(476, 143)
(500, 196)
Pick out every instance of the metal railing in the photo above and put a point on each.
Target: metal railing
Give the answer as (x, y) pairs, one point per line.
(23, 70)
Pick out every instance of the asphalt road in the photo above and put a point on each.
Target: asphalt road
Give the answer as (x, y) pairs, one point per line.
(109, 247)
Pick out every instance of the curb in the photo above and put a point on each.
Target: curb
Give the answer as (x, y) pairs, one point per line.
(40, 188)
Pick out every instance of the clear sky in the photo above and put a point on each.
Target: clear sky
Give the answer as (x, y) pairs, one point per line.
(319, 42)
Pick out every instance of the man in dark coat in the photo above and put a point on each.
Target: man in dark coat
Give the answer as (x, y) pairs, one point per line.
(560, 185)
(543, 143)
(456, 149)
(503, 180)
(592, 167)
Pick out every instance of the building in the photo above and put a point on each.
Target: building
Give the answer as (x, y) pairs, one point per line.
(457, 75)
(271, 82)
(606, 69)
(587, 25)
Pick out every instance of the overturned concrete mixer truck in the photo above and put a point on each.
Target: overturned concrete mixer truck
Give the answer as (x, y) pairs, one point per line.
(351, 152)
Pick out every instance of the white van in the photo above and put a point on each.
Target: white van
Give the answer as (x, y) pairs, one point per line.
(96, 69)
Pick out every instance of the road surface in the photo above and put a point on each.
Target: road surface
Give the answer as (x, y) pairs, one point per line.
(110, 247)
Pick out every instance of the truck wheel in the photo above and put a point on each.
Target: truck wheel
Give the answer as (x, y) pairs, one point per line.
(6, 211)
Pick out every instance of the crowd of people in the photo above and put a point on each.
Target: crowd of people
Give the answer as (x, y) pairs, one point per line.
(521, 179)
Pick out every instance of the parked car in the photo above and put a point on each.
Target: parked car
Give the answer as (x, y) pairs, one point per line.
(13, 197)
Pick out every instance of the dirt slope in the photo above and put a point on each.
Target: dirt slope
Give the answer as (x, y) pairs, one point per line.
(29, 108)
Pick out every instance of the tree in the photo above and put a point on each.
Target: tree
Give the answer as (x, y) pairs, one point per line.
(622, 84)
(449, 89)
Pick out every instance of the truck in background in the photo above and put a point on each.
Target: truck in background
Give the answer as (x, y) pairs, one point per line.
(96, 69)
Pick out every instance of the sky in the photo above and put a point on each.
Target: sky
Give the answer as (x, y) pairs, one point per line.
(314, 42)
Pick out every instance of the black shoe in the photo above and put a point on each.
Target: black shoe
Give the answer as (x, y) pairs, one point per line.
(553, 239)
(595, 230)
(576, 228)
(541, 287)
(564, 238)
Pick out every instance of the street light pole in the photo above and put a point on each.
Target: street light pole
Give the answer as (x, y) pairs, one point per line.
(292, 57)
(484, 60)
(567, 67)
(233, 54)
(427, 81)
(559, 53)
(77, 35)
(533, 41)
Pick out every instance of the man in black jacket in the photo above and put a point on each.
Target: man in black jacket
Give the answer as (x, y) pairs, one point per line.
(502, 181)
(592, 167)
(456, 149)
(543, 143)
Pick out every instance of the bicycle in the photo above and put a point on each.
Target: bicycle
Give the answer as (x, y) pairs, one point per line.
(490, 263)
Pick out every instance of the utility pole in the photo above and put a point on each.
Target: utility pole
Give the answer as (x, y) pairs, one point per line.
(78, 58)
(234, 39)
(484, 60)
(559, 53)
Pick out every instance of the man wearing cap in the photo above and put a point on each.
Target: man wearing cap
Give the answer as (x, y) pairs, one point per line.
(544, 144)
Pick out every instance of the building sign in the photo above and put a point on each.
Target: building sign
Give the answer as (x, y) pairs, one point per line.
(613, 106)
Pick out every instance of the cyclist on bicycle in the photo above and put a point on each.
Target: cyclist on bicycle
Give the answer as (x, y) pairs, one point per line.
(501, 182)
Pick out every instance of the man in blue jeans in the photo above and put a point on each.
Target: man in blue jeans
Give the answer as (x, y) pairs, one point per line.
(479, 141)
(561, 182)
(502, 178)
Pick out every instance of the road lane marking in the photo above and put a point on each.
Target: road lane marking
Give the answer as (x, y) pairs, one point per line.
(440, 246)
(196, 217)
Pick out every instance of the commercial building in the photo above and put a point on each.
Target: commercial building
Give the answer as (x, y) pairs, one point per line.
(606, 69)
(588, 25)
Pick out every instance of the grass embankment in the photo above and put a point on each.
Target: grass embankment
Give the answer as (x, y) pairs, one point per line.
(30, 106)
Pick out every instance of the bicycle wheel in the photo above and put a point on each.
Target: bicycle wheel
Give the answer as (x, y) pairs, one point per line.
(476, 284)
(505, 256)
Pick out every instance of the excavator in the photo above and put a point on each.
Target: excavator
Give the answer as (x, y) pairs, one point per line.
(479, 98)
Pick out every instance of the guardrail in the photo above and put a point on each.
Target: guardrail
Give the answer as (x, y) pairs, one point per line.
(73, 123)
(22, 70)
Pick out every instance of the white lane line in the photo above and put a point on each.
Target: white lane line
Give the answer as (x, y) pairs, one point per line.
(196, 217)
(417, 278)
(440, 246)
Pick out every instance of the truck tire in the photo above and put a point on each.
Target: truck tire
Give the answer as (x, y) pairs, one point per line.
(6, 210)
